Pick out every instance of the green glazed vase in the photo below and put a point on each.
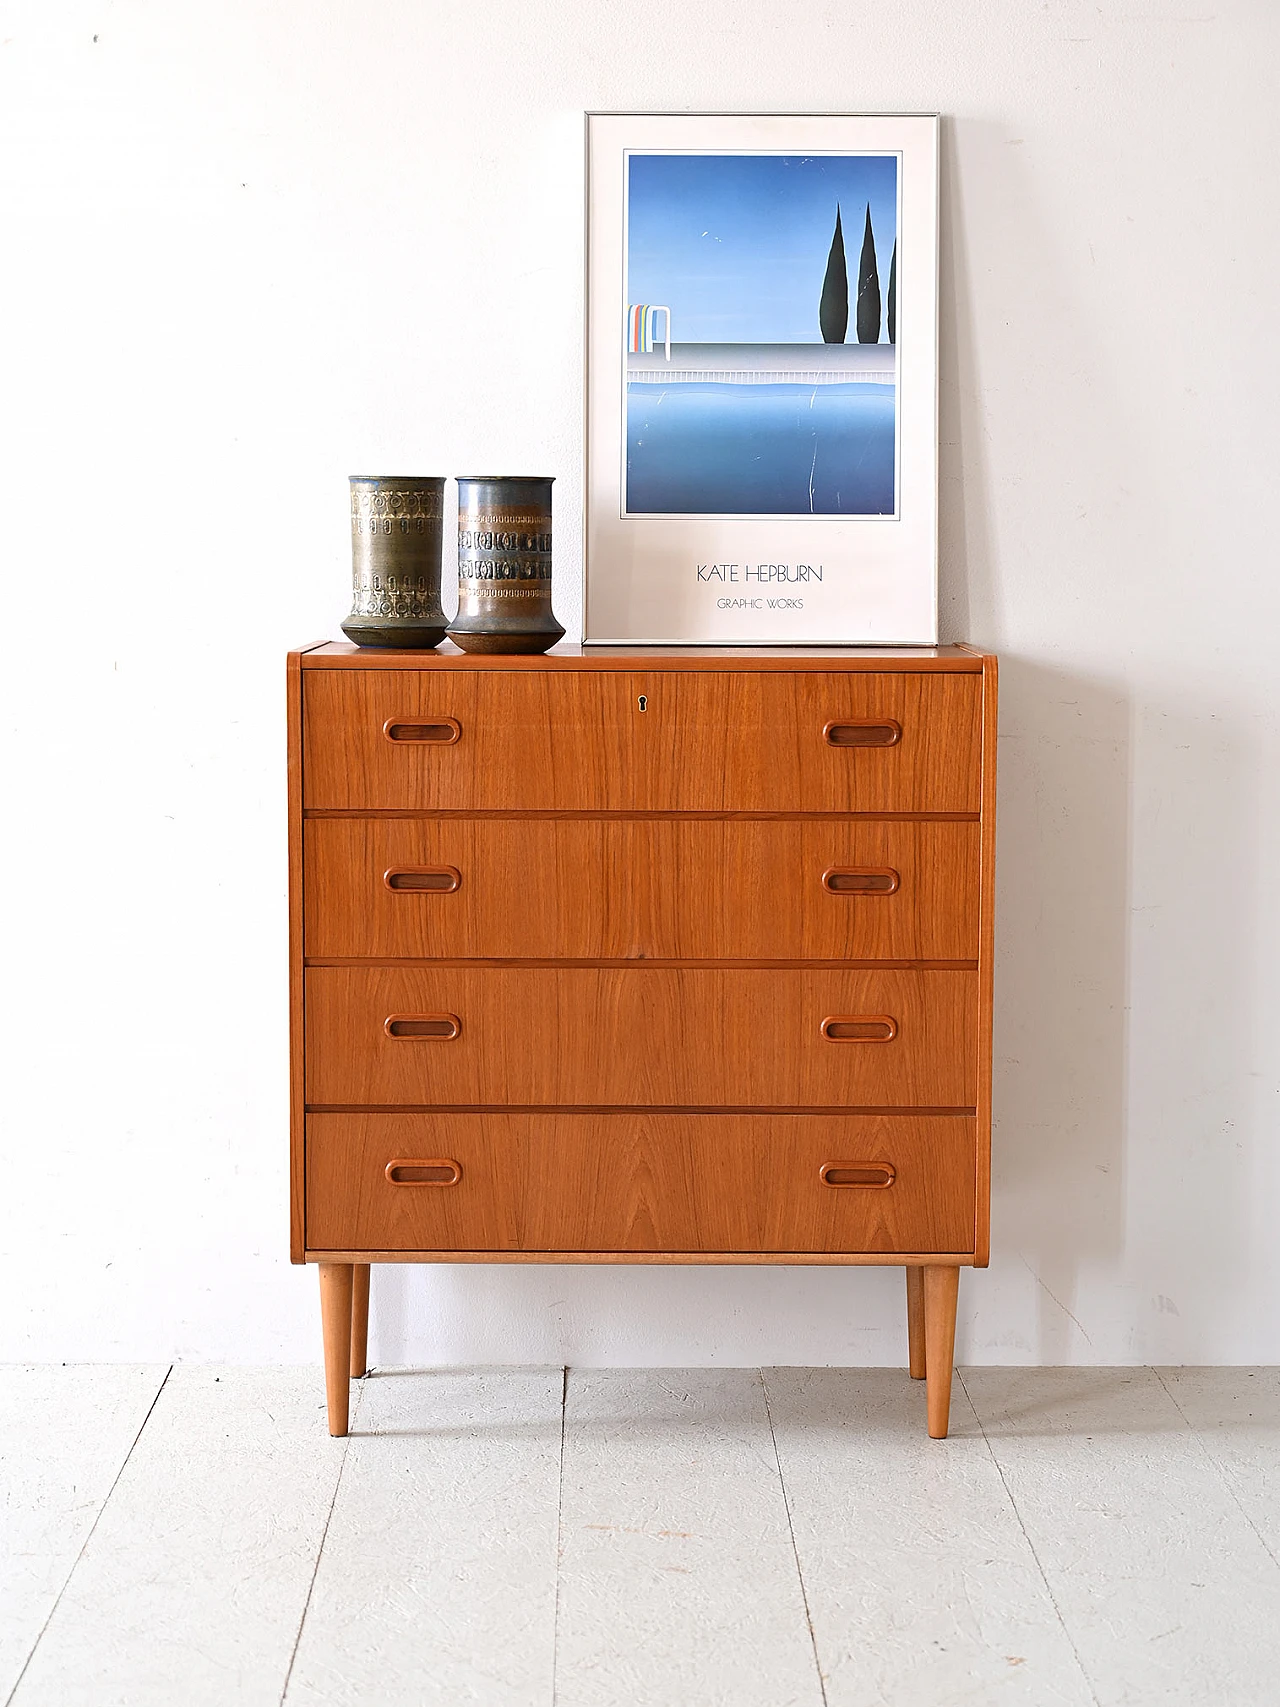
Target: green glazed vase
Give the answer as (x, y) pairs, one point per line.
(397, 533)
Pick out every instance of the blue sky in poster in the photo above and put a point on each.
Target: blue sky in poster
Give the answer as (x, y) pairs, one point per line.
(737, 245)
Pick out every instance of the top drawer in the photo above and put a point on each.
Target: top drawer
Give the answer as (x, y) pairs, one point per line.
(648, 741)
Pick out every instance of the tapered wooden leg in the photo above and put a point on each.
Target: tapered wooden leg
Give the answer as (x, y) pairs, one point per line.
(359, 1319)
(335, 1319)
(915, 1323)
(941, 1289)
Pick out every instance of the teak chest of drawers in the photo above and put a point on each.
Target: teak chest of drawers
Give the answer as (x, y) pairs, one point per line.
(641, 955)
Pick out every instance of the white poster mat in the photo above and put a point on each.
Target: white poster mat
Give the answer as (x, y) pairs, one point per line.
(742, 579)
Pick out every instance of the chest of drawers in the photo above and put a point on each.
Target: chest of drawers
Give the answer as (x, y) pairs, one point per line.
(641, 955)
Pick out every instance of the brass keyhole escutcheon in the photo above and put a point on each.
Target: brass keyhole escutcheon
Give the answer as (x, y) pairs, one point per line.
(643, 702)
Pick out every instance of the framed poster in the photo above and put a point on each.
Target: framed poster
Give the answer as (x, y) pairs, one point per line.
(761, 441)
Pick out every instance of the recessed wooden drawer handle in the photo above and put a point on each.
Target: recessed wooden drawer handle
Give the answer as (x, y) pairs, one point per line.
(439, 1171)
(860, 880)
(437, 1028)
(439, 729)
(863, 732)
(876, 1176)
(859, 1028)
(423, 879)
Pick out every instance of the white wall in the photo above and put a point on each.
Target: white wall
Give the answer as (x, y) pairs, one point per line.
(251, 247)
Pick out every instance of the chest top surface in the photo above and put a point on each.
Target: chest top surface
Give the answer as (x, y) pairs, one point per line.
(340, 655)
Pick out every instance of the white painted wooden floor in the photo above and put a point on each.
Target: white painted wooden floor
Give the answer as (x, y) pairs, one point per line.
(703, 1538)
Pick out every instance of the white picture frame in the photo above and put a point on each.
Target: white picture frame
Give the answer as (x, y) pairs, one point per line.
(704, 398)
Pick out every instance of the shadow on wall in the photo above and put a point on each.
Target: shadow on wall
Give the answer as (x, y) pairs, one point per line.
(1124, 1071)
(965, 549)
(1062, 844)
(1062, 915)
(1123, 1095)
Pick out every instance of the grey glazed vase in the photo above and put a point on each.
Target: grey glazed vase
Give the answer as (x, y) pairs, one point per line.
(397, 532)
(504, 565)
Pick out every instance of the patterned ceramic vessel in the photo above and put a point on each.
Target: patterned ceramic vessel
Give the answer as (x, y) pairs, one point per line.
(504, 565)
(397, 533)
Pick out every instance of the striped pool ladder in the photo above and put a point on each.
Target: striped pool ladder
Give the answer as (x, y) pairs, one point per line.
(640, 328)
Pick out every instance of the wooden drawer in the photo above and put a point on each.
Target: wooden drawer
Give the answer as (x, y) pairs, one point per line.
(709, 742)
(628, 889)
(639, 1036)
(639, 1182)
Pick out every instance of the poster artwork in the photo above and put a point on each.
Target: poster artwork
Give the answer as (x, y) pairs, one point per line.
(760, 335)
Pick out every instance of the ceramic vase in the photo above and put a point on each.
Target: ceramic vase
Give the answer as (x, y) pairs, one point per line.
(396, 538)
(504, 565)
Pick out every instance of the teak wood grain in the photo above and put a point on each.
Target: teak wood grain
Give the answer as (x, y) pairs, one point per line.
(643, 1036)
(986, 951)
(336, 1284)
(713, 741)
(563, 954)
(572, 656)
(915, 1324)
(641, 1182)
(652, 1259)
(644, 888)
(941, 1291)
(360, 1321)
(297, 950)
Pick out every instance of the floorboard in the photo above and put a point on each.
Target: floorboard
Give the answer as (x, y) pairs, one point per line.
(920, 1582)
(65, 1432)
(190, 1590)
(437, 1581)
(1085, 1538)
(1235, 1414)
(1166, 1589)
(679, 1585)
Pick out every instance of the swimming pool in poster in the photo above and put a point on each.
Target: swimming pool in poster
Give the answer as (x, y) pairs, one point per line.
(760, 450)
(761, 359)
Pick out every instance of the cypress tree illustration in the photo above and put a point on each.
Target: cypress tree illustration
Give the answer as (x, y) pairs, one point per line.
(868, 320)
(891, 311)
(833, 304)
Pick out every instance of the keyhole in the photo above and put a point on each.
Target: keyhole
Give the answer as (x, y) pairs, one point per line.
(643, 702)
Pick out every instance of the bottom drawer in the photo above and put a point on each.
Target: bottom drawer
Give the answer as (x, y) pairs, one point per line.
(640, 1182)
